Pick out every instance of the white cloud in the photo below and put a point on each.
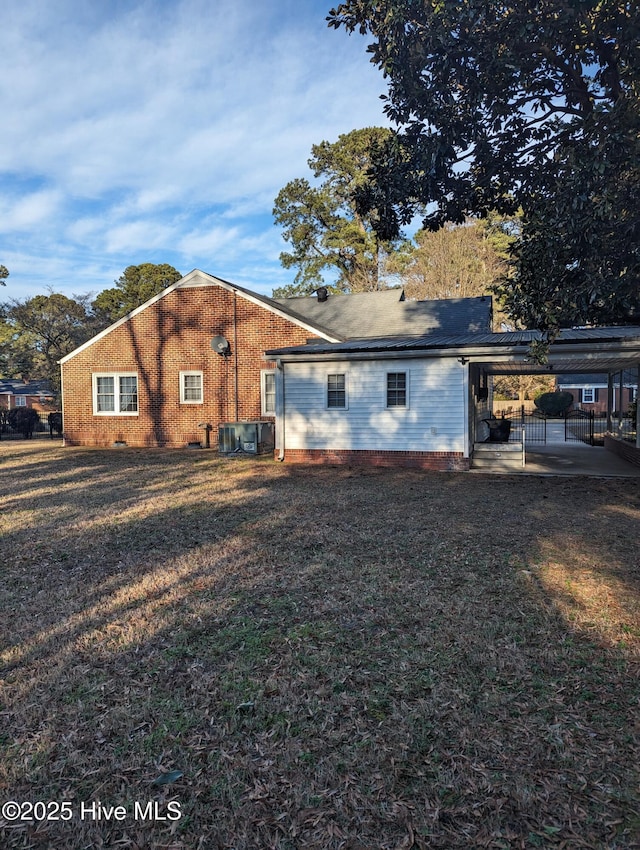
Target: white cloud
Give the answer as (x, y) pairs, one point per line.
(29, 211)
(166, 126)
(210, 242)
(133, 235)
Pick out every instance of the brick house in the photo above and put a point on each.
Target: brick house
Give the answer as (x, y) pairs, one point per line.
(35, 394)
(590, 391)
(154, 379)
(192, 358)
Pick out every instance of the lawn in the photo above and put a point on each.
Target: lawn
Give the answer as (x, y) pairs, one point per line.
(208, 654)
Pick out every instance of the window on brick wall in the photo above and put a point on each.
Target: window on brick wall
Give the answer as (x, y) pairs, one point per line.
(191, 388)
(115, 394)
(21, 401)
(268, 392)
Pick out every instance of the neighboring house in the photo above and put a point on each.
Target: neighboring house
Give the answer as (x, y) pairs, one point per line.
(35, 394)
(590, 391)
(191, 358)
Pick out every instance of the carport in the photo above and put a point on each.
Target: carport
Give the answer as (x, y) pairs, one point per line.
(577, 459)
(575, 351)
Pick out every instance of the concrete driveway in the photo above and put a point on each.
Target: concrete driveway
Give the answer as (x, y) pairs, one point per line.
(562, 458)
(558, 457)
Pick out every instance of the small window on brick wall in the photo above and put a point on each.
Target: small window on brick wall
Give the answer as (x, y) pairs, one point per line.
(191, 388)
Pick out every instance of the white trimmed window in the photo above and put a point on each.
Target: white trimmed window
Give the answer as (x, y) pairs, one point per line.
(397, 389)
(191, 388)
(115, 394)
(588, 395)
(268, 392)
(337, 391)
(21, 401)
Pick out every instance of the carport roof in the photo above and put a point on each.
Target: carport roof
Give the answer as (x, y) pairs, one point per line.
(574, 350)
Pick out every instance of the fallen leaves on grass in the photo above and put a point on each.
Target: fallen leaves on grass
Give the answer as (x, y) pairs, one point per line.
(317, 658)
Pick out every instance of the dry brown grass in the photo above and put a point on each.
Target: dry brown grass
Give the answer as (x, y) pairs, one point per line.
(330, 658)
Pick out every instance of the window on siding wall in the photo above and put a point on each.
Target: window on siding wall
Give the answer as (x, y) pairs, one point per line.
(337, 390)
(268, 392)
(190, 387)
(588, 396)
(115, 394)
(396, 389)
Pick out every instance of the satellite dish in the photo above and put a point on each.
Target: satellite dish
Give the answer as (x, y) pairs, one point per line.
(221, 345)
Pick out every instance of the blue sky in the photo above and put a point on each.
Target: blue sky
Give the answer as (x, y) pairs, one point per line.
(162, 131)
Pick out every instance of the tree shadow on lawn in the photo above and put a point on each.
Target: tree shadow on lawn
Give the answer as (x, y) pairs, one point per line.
(105, 544)
(336, 658)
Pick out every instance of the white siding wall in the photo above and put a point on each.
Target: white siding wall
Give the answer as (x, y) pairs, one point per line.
(433, 421)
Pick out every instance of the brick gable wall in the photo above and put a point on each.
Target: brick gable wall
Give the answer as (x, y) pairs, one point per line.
(168, 337)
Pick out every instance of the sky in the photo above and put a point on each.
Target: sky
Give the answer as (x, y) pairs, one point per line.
(161, 131)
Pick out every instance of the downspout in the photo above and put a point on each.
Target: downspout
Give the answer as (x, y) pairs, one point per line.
(235, 349)
(280, 416)
(62, 401)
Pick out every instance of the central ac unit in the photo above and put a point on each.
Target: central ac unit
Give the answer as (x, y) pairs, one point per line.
(246, 438)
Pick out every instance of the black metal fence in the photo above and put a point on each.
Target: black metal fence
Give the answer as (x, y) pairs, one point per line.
(534, 425)
(579, 426)
(13, 429)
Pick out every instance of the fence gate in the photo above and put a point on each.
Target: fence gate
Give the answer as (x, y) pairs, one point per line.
(534, 424)
(579, 426)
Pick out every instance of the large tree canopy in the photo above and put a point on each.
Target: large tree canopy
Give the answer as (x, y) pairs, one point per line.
(506, 105)
(456, 261)
(321, 223)
(43, 329)
(36, 332)
(135, 286)
(578, 259)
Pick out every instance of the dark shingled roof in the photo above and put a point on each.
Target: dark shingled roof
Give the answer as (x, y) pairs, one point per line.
(366, 315)
(17, 387)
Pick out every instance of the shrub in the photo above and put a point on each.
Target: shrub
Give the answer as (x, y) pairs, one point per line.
(554, 404)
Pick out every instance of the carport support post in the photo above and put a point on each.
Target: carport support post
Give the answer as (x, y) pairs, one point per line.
(609, 399)
(620, 391)
(638, 411)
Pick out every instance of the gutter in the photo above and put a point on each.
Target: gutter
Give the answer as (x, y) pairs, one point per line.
(559, 350)
(397, 354)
